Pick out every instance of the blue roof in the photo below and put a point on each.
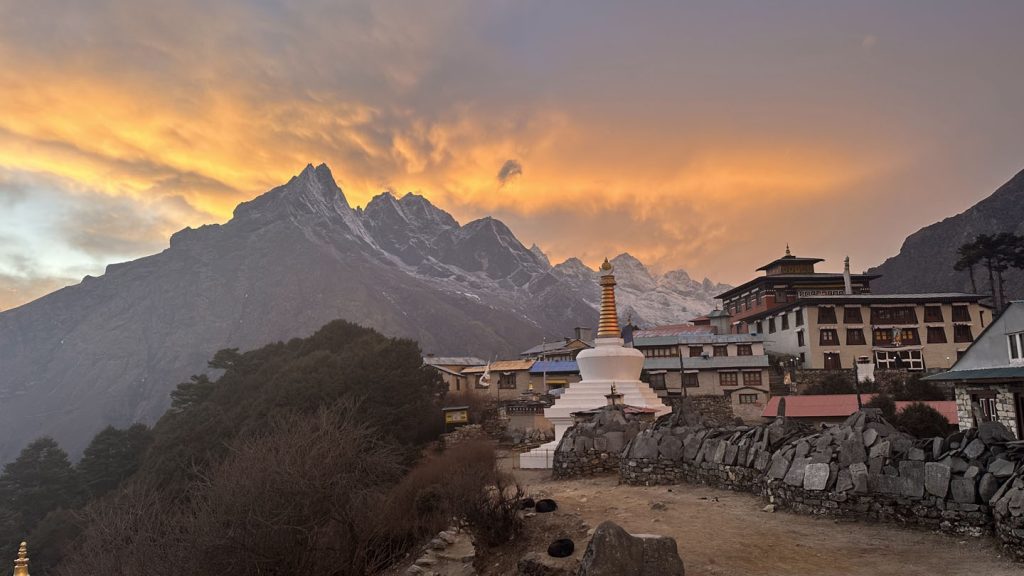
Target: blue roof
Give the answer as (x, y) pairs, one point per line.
(554, 367)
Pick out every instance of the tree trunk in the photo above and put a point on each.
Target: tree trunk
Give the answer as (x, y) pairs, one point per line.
(974, 284)
(1002, 294)
(992, 283)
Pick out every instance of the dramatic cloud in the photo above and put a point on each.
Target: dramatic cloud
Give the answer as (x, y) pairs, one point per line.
(508, 170)
(703, 137)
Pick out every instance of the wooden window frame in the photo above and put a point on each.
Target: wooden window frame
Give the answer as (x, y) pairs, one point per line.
(744, 350)
(750, 380)
(829, 317)
(691, 380)
(724, 376)
(834, 341)
(852, 315)
(933, 314)
(720, 348)
(855, 337)
(958, 336)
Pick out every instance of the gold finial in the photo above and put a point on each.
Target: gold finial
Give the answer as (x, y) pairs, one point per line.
(788, 253)
(608, 326)
(21, 564)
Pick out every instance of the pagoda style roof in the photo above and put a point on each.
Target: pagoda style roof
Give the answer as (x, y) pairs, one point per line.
(790, 259)
(807, 279)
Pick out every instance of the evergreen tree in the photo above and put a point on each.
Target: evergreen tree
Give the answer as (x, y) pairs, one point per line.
(111, 457)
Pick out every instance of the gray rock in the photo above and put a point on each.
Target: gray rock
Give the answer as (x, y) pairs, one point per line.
(851, 452)
(912, 478)
(972, 472)
(936, 448)
(994, 433)
(614, 552)
(958, 465)
(963, 489)
(936, 478)
(875, 465)
(645, 447)
(974, 449)
(1001, 468)
(719, 455)
(779, 466)
(816, 476)
(987, 487)
(762, 461)
(870, 435)
(802, 449)
(536, 564)
(795, 476)
(692, 447)
(583, 444)
(916, 454)
(885, 484)
(601, 444)
(859, 476)
(731, 452)
(670, 448)
(844, 482)
(881, 450)
(615, 440)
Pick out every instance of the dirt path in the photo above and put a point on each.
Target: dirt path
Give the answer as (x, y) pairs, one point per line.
(727, 533)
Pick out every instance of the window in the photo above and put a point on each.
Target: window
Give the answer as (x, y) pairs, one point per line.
(933, 314)
(855, 337)
(507, 381)
(748, 398)
(690, 380)
(744, 350)
(832, 361)
(803, 358)
(936, 335)
(897, 360)
(771, 325)
(657, 381)
(961, 313)
(758, 327)
(721, 350)
(800, 338)
(829, 337)
(785, 321)
(881, 336)
(851, 315)
(799, 316)
(752, 378)
(894, 315)
(962, 333)
(728, 379)
(826, 315)
(987, 402)
(909, 337)
(1016, 344)
(696, 351)
(660, 351)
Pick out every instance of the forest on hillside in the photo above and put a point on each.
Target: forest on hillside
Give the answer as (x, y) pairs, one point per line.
(305, 457)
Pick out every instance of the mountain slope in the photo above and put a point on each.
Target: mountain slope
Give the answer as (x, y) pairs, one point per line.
(925, 261)
(109, 350)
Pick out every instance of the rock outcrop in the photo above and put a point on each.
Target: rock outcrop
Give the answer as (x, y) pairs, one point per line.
(614, 552)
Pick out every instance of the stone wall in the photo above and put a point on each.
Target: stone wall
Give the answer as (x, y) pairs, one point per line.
(970, 482)
(593, 447)
(885, 379)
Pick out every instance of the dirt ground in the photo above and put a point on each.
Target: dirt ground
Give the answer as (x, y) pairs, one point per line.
(727, 533)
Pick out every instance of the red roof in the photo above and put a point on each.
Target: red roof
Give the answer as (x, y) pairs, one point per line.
(842, 405)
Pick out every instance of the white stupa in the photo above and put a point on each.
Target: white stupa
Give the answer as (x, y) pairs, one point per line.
(607, 363)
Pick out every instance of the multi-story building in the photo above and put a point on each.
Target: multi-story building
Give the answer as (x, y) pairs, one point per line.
(562, 350)
(989, 377)
(693, 360)
(786, 280)
(510, 379)
(833, 321)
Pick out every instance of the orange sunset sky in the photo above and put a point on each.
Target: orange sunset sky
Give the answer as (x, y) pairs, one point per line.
(697, 135)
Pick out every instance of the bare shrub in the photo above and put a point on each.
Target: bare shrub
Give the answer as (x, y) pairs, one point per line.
(493, 513)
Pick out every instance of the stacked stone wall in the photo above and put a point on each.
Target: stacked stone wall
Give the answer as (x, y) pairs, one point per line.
(971, 482)
(714, 408)
(592, 448)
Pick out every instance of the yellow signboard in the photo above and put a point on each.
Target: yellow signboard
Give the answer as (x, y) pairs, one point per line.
(456, 416)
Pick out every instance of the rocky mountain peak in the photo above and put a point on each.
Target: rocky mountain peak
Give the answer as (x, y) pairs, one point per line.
(313, 192)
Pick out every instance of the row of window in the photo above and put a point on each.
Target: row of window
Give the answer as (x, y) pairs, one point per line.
(695, 351)
(887, 315)
(725, 379)
(884, 360)
(892, 336)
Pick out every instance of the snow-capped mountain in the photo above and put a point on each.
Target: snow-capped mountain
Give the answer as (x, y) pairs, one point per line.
(110, 349)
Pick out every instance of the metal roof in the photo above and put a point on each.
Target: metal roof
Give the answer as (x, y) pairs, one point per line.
(555, 346)
(501, 365)
(554, 367)
(697, 338)
(673, 330)
(711, 363)
(1002, 373)
(453, 361)
(840, 405)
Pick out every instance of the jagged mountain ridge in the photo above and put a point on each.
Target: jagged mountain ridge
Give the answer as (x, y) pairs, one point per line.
(925, 260)
(110, 349)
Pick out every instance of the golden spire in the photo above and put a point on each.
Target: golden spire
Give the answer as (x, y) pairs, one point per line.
(608, 326)
(788, 253)
(21, 564)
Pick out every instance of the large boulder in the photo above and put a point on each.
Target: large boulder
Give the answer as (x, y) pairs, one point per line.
(615, 552)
